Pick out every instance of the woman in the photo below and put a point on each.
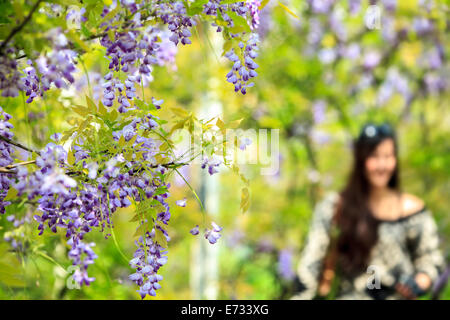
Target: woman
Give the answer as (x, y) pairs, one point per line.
(386, 245)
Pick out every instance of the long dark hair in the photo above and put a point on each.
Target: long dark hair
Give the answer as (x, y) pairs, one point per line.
(357, 225)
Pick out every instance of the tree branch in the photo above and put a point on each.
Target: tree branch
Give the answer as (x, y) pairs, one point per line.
(19, 145)
(7, 169)
(20, 26)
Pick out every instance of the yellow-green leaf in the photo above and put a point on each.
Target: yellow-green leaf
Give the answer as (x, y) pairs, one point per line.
(71, 158)
(245, 199)
(18, 10)
(121, 141)
(221, 125)
(142, 229)
(178, 125)
(111, 14)
(263, 4)
(179, 112)
(160, 238)
(101, 109)
(82, 111)
(91, 104)
(132, 140)
(136, 217)
(12, 193)
(226, 47)
(113, 115)
(111, 35)
(9, 276)
(288, 10)
(234, 124)
(75, 38)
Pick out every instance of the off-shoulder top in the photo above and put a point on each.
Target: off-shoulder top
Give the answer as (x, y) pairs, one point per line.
(405, 246)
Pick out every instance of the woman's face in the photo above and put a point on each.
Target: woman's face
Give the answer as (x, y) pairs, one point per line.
(380, 165)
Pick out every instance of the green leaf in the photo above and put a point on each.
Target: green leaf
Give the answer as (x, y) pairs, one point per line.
(196, 7)
(160, 238)
(12, 193)
(239, 23)
(230, 1)
(132, 140)
(9, 276)
(85, 31)
(245, 199)
(71, 158)
(178, 125)
(72, 35)
(101, 109)
(111, 15)
(227, 45)
(180, 112)
(221, 125)
(82, 111)
(121, 141)
(263, 4)
(135, 218)
(142, 229)
(141, 104)
(234, 124)
(288, 10)
(145, 208)
(112, 116)
(18, 10)
(91, 105)
(10, 268)
(160, 190)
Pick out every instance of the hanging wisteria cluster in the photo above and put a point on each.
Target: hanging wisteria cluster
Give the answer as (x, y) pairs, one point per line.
(115, 158)
(132, 46)
(6, 157)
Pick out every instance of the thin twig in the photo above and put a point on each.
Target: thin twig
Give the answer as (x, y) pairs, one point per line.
(7, 169)
(4, 170)
(10, 166)
(19, 145)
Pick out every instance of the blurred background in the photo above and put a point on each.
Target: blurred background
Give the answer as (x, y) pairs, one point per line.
(325, 68)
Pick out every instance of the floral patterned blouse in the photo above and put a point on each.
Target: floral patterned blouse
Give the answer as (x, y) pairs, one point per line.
(405, 246)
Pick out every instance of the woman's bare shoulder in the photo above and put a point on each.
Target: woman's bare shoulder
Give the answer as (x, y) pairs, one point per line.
(411, 204)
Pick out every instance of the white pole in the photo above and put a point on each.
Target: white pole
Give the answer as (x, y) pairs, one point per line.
(204, 256)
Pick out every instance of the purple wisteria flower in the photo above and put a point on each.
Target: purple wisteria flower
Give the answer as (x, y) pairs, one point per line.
(318, 109)
(9, 75)
(243, 70)
(82, 255)
(6, 150)
(212, 235)
(181, 203)
(55, 68)
(371, 59)
(212, 165)
(194, 231)
(253, 6)
(148, 258)
(285, 268)
(244, 143)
